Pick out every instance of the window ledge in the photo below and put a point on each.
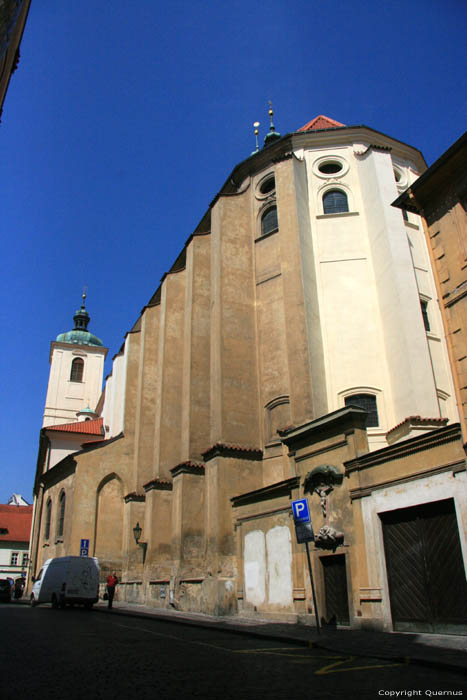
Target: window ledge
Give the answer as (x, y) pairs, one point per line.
(339, 214)
(59, 540)
(266, 235)
(433, 336)
(409, 224)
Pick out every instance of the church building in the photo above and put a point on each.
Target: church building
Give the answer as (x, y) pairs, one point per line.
(294, 349)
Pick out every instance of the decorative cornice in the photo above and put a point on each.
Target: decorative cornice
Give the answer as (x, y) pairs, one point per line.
(418, 443)
(405, 426)
(158, 485)
(188, 467)
(343, 420)
(454, 467)
(281, 488)
(372, 147)
(285, 156)
(134, 497)
(222, 449)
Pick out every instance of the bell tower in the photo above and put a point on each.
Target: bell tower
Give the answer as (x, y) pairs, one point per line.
(76, 372)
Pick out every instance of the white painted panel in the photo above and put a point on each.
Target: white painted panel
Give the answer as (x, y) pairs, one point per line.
(279, 549)
(255, 567)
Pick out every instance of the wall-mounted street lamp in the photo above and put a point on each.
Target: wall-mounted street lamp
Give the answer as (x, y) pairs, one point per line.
(137, 535)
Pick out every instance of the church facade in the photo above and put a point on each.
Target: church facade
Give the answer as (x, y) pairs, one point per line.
(295, 348)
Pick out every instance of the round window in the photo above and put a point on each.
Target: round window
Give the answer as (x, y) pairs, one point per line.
(330, 167)
(397, 175)
(269, 185)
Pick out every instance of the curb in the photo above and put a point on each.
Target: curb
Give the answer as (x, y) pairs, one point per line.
(408, 660)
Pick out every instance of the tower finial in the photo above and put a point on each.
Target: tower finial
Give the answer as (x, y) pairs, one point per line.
(84, 295)
(272, 134)
(271, 114)
(256, 125)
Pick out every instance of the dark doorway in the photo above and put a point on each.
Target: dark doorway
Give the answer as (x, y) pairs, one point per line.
(426, 576)
(335, 588)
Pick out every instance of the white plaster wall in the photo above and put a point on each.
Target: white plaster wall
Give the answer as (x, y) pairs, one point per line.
(114, 402)
(368, 289)
(436, 340)
(409, 363)
(427, 490)
(63, 446)
(65, 398)
(279, 558)
(352, 337)
(6, 549)
(254, 567)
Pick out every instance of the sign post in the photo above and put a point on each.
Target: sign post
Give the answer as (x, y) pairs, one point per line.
(304, 534)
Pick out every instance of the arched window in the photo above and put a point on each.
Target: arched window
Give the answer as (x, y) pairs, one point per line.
(368, 403)
(269, 221)
(77, 368)
(48, 518)
(335, 202)
(61, 514)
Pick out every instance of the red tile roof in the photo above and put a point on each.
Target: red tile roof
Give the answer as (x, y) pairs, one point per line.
(86, 427)
(320, 122)
(17, 520)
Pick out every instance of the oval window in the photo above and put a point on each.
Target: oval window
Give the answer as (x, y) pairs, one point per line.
(268, 185)
(330, 168)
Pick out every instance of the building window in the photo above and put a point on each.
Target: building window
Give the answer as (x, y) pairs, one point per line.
(269, 221)
(77, 368)
(14, 559)
(368, 403)
(61, 514)
(426, 320)
(25, 561)
(335, 202)
(48, 517)
(268, 185)
(330, 167)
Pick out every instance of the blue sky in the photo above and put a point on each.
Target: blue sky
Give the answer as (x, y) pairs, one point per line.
(123, 121)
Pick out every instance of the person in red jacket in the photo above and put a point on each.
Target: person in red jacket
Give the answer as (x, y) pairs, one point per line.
(112, 581)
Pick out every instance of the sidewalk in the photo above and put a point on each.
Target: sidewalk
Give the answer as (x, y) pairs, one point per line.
(434, 650)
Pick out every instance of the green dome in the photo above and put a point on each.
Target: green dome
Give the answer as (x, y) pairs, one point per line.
(80, 334)
(79, 337)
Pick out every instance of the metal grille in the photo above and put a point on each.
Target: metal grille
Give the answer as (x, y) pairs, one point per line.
(269, 221)
(368, 403)
(335, 202)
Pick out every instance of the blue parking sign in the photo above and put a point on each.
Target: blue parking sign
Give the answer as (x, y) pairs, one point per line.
(301, 512)
(84, 548)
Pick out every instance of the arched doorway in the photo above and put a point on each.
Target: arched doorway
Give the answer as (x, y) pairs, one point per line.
(109, 524)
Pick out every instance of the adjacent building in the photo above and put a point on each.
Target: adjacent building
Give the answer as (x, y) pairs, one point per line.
(15, 531)
(295, 347)
(13, 16)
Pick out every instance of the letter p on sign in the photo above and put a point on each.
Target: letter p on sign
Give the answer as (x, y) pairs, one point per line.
(301, 512)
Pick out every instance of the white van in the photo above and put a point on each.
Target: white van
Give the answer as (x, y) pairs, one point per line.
(67, 580)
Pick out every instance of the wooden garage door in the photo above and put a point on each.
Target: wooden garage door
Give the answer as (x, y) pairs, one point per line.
(427, 583)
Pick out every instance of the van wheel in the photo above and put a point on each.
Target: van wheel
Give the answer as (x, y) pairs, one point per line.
(54, 602)
(33, 601)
